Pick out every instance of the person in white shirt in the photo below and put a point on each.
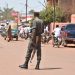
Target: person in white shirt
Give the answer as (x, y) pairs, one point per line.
(21, 30)
(57, 31)
(27, 29)
(47, 28)
(57, 36)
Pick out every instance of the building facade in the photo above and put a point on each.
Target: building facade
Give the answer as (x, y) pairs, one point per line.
(67, 6)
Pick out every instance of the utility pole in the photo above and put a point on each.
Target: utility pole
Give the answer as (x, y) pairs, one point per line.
(6, 11)
(26, 9)
(54, 15)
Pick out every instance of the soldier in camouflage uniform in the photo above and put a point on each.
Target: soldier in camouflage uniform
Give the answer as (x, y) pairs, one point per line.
(35, 41)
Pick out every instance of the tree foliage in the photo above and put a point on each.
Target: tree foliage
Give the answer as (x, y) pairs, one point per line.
(31, 11)
(47, 14)
(6, 14)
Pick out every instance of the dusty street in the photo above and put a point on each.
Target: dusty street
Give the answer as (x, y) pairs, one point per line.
(55, 61)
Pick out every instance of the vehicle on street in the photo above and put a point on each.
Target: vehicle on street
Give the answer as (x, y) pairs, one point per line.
(15, 33)
(45, 38)
(2, 28)
(69, 33)
(56, 40)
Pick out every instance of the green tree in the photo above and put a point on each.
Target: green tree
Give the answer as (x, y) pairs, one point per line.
(31, 11)
(6, 13)
(47, 14)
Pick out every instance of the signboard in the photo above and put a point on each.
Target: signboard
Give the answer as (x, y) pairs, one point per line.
(14, 14)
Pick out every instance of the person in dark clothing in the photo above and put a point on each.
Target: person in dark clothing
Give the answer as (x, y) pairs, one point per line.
(9, 34)
(35, 41)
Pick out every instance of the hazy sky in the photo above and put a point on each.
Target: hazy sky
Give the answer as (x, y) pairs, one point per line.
(20, 4)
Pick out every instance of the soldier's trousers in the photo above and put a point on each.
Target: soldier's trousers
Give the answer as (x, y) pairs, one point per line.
(30, 49)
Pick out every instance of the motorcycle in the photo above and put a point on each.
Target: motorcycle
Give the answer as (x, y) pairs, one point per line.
(24, 35)
(56, 41)
(45, 38)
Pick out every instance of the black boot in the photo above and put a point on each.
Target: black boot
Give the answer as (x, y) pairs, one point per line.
(37, 65)
(25, 65)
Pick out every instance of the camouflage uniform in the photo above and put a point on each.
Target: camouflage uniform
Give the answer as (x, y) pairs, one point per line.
(35, 42)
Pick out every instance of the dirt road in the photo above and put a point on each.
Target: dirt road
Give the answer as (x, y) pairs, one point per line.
(55, 61)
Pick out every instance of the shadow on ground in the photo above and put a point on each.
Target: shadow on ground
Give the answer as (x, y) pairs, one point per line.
(50, 68)
(57, 68)
(70, 46)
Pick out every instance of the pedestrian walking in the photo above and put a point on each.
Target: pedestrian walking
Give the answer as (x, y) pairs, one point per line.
(35, 41)
(9, 34)
(63, 36)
